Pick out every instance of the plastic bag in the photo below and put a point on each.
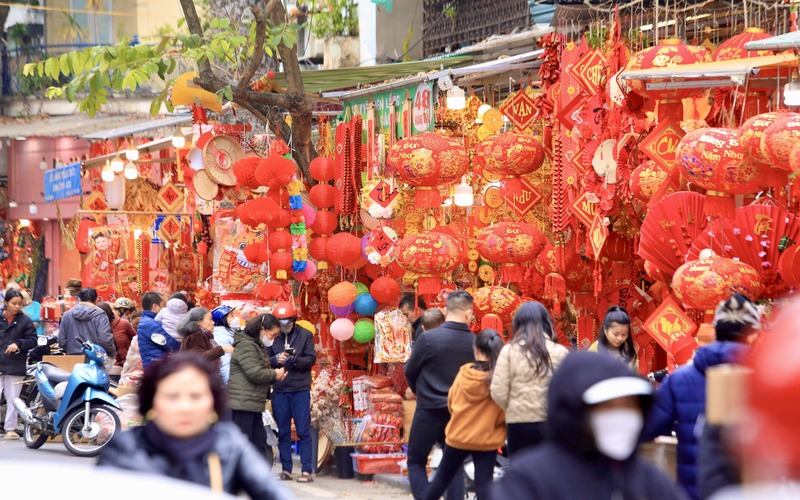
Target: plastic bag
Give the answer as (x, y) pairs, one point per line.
(271, 427)
(132, 370)
(378, 381)
(129, 411)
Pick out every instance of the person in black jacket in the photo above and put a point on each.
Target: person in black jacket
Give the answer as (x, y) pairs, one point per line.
(434, 363)
(293, 350)
(596, 414)
(17, 337)
(182, 396)
(414, 314)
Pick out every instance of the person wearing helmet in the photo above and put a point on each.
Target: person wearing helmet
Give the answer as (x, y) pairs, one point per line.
(124, 308)
(225, 325)
(680, 401)
(293, 350)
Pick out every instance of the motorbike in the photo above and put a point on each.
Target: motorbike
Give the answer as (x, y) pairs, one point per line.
(75, 404)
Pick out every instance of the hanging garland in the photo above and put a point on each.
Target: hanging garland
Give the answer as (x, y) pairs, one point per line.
(298, 227)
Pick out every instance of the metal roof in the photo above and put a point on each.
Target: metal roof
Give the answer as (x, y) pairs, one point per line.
(751, 66)
(781, 42)
(82, 126)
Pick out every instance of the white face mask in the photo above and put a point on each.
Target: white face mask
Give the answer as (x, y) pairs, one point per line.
(235, 323)
(267, 341)
(616, 431)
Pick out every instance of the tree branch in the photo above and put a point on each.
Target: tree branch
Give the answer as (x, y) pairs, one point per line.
(258, 50)
(196, 28)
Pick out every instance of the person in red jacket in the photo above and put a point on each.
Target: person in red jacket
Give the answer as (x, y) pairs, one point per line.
(123, 333)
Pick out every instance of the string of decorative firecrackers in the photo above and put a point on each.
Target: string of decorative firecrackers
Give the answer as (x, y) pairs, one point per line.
(298, 227)
(340, 161)
(352, 181)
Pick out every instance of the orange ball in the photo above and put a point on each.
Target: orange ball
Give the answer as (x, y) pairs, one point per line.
(342, 294)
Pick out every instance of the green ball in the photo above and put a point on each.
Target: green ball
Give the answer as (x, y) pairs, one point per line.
(364, 331)
(361, 289)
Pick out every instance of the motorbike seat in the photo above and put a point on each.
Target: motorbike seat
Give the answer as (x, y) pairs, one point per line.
(55, 374)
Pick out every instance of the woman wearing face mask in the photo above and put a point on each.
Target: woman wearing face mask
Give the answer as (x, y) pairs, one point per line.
(225, 325)
(251, 378)
(182, 396)
(615, 338)
(595, 419)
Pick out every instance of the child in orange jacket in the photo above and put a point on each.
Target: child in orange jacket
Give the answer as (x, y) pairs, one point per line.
(477, 424)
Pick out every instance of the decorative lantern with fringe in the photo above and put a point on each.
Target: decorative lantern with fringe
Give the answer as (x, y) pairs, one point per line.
(429, 255)
(496, 300)
(510, 156)
(779, 139)
(510, 244)
(702, 284)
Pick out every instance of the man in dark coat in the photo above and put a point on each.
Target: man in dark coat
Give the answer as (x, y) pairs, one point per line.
(437, 356)
(681, 400)
(595, 417)
(154, 341)
(86, 322)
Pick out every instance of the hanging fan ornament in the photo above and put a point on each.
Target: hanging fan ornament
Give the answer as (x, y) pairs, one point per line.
(604, 161)
(219, 155)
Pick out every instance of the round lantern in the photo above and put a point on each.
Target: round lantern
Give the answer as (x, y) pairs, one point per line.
(321, 169)
(342, 329)
(428, 255)
(245, 171)
(365, 305)
(342, 311)
(364, 331)
(733, 47)
(752, 132)
(325, 223)
(427, 161)
(280, 220)
(789, 265)
(322, 195)
(344, 249)
(496, 300)
(280, 263)
(779, 139)
(510, 155)
(647, 179)
(318, 248)
(511, 244)
(256, 253)
(702, 284)
(269, 291)
(280, 240)
(342, 294)
(115, 192)
(385, 290)
(279, 196)
(669, 53)
(275, 171)
(361, 289)
(258, 211)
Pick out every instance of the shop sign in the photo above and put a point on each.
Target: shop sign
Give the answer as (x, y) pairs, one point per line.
(388, 105)
(62, 182)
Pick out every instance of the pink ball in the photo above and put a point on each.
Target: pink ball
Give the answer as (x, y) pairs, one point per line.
(309, 273)
(309, 214)
(342, 329)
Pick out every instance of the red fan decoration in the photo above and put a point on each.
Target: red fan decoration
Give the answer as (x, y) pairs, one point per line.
(670, 228)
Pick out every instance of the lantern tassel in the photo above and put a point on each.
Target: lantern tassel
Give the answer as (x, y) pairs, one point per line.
(719, 205)
(555, 289)
(429, 285)
(511, 187)
(427, 197)
(512, 273)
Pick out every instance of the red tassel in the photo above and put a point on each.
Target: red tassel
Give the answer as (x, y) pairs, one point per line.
(512, 273)
(427, 197)
(429, 285)
(719, 205)
(492, 322)
(510, 187)
(561, 258)
(555, 290)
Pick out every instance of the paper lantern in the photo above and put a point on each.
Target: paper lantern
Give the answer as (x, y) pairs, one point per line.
(321, 169)
(280, 240)
(342, 329)
(647, 179)
(496, 300)
(385, 290)
(365, 305)
(326, 222)
(308, 274)
(344, 249)
(280, 220)
(258, 211)
(342, 294)
(245, 172)
(789, 265)
(702, 284)
(752, 131)
(510, 155)
(323, 195)
(280, 263)
(256, 253)
(342, 311)
(733, 48)
(364, 331)
(269, 291)
(361, 289)
(669, 53)
(428, 255)
(427, 161)
(279, 196)
(358, 264)
(779, 139)
(318, 248)
(275, 171)
(510, 244)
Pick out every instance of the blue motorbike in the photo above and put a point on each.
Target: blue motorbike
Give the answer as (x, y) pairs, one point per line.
(76, 405)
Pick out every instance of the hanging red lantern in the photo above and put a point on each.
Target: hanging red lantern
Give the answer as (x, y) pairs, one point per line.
(344, 249)
(280, 220)
(647, 179)
(325, 223)
(318, 248)
(510, 244)
(280, 263)
(279, 196)
(321, 169)
(385, 290)
(789, 265)
(702, 284)
(256, 253)
(275, 171)
(752, 133)
(779, 139)
(257, 211)
(245, 172)
(269, 291)
(427, 161)
(429, 255)
(510, 155)
(496, 300)
(322, 195)
(714, 159)
(616, 248)
(733, 48)
(280, 240)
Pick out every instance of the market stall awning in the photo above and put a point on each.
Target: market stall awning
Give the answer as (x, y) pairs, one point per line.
(139, 127)
(82, 126)
(753, 66)
(324, 80)
(780, 42)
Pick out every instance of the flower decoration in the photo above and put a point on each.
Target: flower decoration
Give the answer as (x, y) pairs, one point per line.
(380, 246)
(298, 227)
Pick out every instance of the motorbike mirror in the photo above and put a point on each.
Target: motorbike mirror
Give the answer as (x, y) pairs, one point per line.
(41, 341)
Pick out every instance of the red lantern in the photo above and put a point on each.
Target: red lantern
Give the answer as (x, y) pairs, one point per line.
(511, 244)
(344, 249)
(326, 222)
(733, 47)
(256, 253)
(280, 263)
(427, 161)
(789, 265)
(702, 284)
(280, 220)
(616, 248)
(322, 195)
(321, 169)
(647, 179)
(245, 172)
(279, 196)
(318, 248)
(269, 291)
(428, 255)
(275, 171)
(752, 132)
(779, 139)
(258, 211)
(385, 290)
(510, 155)
(496, 300)
(713, 159)
(280, 240)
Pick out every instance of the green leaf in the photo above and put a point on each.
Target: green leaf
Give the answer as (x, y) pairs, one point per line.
(40, 68)
(53, 92)
(224, 23)
(63, 64)
(112, 51)
(51, 68)
(116, 79)
(155, 106)
(129, 81)
(78, 62)
(181, 22)
(171, 68)
(70, 92)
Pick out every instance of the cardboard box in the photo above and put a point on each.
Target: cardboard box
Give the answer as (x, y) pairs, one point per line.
(65, 362)
(122, 390)
(409, 407)
(725, 393)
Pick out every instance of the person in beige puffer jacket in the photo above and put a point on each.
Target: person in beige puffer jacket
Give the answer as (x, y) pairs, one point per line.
(522, 376)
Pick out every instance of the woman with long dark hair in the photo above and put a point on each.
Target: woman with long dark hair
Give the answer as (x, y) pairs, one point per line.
(17, 337)
(615, 337)
(523, 373)
(477, 425)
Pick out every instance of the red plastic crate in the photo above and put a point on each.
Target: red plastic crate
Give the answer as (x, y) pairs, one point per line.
(385, 463)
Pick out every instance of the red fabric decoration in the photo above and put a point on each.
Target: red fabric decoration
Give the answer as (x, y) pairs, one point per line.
(344, 249)
(752, 133)
(245, 170)
(733, 47)
(670, 52)
(779, 139)
(256, 253)
(82, 241)
(275, 171)
(280, 240)
(385, 290)
(322, 195)
(321, 169)
(510, 243)
(428, 255)
(496, 300)
(269, 291)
